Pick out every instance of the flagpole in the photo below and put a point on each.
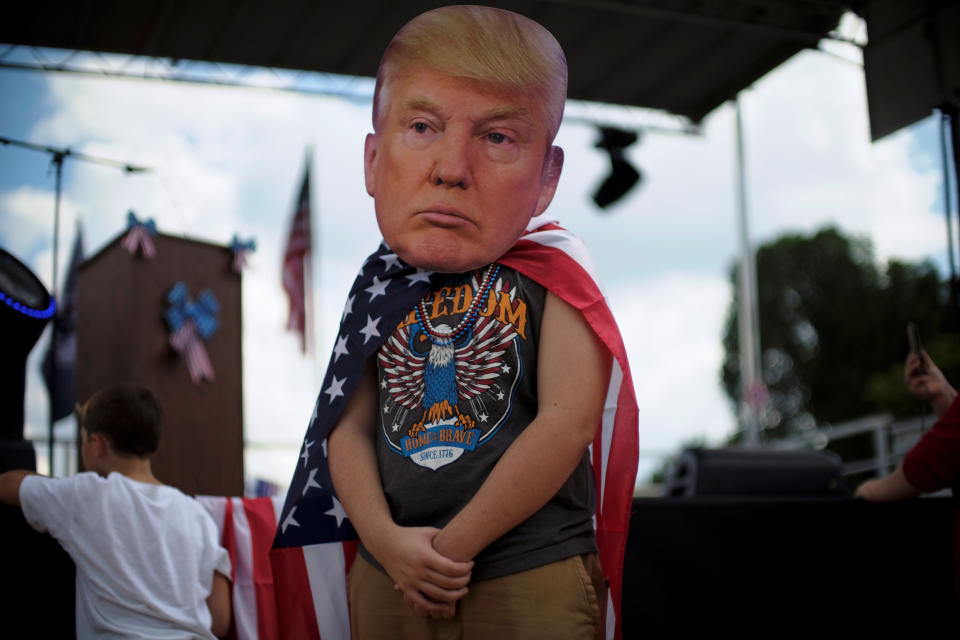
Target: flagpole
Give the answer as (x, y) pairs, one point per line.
(748, 320)
(57, 163)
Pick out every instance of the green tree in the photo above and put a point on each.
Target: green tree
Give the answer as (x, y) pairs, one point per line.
(833, 330)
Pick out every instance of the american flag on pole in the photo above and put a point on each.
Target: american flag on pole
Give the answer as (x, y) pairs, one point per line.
(296, 260)
(315, 543)
(60, 362)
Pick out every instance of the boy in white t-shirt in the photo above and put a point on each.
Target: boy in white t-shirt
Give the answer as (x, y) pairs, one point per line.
(149, 562)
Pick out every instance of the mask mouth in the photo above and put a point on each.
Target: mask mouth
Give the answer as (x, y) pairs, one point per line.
(443, 209)
(444, 218)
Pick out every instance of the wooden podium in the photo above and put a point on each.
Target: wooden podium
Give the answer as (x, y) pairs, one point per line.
(122, 336)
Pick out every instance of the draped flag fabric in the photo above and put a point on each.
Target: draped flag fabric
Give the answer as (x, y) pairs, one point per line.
(296, 260)
(140, 236)
(191, 323)
(312, 549)
(241, 252)
(247, 527)
(60, 362)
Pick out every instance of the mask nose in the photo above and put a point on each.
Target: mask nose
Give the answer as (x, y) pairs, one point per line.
(451, 167)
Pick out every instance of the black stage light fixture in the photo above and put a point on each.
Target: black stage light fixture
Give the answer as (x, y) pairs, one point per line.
(623, 176)
(25, 309)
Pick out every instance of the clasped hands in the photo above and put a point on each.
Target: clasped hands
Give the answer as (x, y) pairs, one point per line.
(430, 582)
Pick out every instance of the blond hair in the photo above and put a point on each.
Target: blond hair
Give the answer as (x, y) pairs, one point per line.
(493, 46)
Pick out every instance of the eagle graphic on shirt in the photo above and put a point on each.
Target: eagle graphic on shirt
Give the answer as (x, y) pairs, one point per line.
(445, 399)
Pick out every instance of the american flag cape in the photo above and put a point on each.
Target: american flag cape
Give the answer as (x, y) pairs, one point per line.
(316, 544)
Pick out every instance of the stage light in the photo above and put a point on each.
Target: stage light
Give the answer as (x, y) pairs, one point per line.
(623, 176)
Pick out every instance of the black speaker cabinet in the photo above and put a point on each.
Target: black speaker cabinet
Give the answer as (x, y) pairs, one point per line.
(757, 472)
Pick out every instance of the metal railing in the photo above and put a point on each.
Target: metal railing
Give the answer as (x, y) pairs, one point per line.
(891, 440)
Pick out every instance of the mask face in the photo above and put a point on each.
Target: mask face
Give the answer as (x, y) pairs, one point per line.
(457, 170)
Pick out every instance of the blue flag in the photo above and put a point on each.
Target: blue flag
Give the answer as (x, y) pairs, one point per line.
(60, 362)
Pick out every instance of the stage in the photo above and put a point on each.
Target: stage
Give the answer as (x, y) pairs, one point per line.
(747, 565)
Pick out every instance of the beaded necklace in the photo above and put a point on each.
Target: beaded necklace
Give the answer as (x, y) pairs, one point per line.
(443, 338)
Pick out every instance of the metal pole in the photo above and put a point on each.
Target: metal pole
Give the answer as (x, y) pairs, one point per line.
(749, 325)
(952, 112)
(948, 213)
(58, 167)
(881, 450)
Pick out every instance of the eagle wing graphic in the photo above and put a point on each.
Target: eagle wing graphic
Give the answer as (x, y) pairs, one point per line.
(402, 368)
(479, 361)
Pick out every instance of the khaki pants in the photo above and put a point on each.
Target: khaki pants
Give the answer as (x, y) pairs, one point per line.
(563, 599)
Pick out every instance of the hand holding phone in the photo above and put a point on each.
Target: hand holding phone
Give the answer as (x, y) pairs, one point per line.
(913, 337)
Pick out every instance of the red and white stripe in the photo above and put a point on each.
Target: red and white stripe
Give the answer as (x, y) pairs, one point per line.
(186, 340)
(240, 260)
(316, 607)
(139, 238)
(560, 262)
(247, 527)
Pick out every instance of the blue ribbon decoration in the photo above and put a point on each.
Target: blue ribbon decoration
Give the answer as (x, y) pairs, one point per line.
(148, 225)
(202, 311)
(238, 245)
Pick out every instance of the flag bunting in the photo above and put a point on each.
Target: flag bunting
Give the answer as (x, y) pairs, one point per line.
(140, 236)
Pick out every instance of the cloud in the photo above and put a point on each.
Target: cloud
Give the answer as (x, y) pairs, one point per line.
(679, 217)
(26, 228)
(672, 327)
(225, 161)
(230, 160)
(810, 162)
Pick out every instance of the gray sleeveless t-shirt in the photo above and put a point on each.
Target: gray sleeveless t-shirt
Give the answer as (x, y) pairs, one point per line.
(448, 412)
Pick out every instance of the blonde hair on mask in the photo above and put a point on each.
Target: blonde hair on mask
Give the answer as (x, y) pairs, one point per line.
(493, 46)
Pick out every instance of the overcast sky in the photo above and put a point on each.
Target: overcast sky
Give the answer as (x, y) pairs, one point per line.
(230, 160)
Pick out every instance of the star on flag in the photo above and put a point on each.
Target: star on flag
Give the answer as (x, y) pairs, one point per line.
(337, 512)
(305, 455)
(289, 520)
(419, 276)
(312, 481)
(370, 331)
(340, 349)
(348, 307)
(335, 389)
(378, 288)
(390, 261)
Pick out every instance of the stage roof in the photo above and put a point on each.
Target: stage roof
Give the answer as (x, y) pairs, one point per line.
(685, 57)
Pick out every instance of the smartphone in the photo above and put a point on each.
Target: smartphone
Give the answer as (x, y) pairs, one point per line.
(913, 337)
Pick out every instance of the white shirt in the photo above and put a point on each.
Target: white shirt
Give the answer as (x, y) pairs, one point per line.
(145, 554)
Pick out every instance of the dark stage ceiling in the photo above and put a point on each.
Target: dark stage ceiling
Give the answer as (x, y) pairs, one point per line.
(683, 56)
